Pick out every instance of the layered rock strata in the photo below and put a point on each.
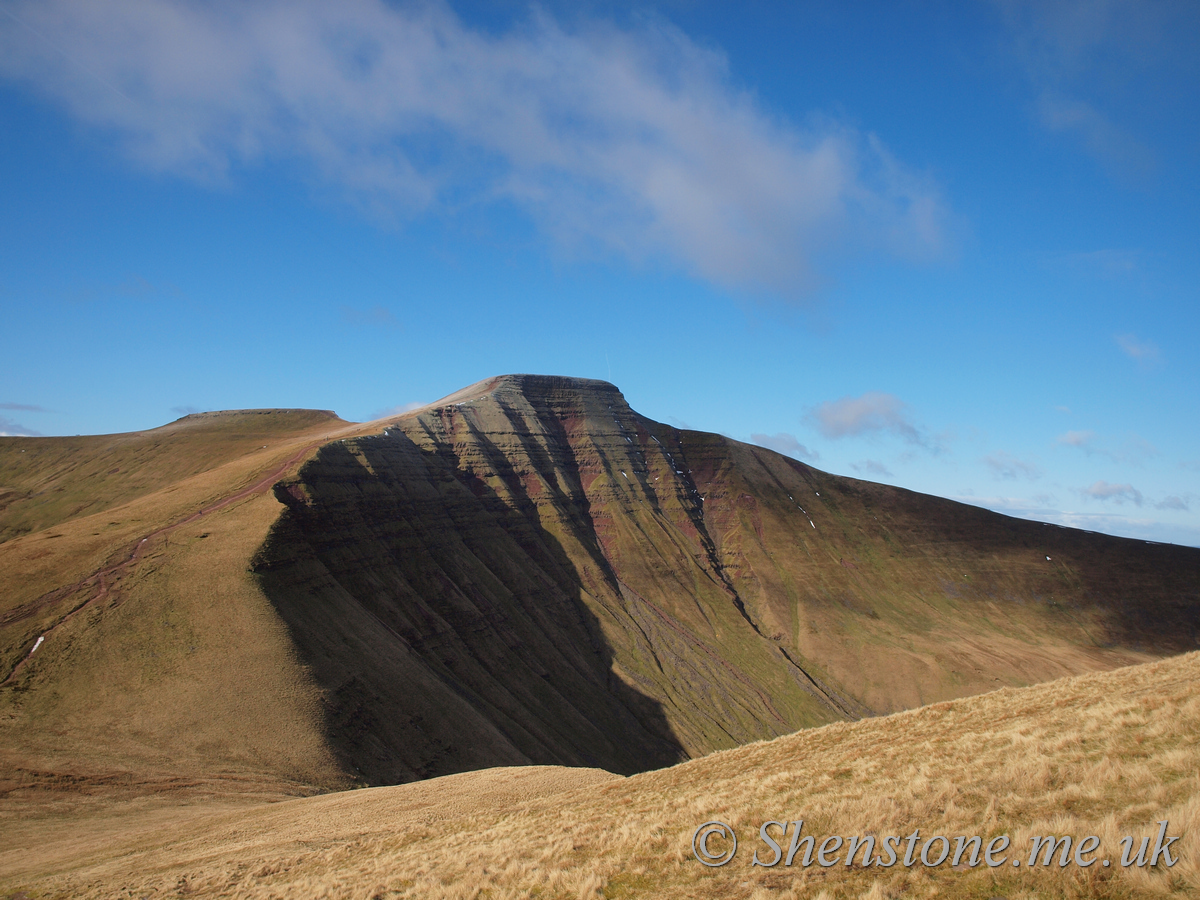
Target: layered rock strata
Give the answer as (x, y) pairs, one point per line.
(531, 572)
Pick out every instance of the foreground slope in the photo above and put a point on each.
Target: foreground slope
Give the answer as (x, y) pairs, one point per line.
(530, 572)
(1106, 754)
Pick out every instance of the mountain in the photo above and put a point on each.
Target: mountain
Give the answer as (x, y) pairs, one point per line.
(531, 572)
(526, 572)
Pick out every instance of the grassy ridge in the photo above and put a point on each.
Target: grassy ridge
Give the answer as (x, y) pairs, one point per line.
(46, 481)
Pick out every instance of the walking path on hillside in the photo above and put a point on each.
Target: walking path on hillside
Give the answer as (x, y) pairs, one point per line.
(104, 579)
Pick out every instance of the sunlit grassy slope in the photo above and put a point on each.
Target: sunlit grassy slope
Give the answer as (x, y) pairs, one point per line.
(160, 671)
(1106, 754)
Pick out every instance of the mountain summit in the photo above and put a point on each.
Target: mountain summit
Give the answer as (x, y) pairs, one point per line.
(529, 571)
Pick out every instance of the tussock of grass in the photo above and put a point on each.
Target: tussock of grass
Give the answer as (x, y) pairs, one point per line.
(1107, 754)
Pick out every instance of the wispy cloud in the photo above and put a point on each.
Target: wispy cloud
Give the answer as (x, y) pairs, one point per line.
(1117, 493)
(616, 140)
(874, 412)
(1080, 439)
(1008, 467)
(1072, 51)
(1173, 502)
(786, 444)
(23, 407)
(871, 467)
(9, 428)
(1145, 353)
(1122, 154)
(376, 316)
(1133, 450)
(1044, 508)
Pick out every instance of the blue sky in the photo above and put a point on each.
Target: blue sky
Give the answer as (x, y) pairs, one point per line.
(949, 246)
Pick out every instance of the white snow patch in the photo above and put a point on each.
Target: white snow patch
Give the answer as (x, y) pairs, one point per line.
(37, 644)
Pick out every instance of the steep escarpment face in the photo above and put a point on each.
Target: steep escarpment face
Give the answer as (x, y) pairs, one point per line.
(521, 577)
(530, 571)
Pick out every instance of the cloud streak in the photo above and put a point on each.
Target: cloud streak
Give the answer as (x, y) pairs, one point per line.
(1117, 493)
(786, 444)
(874, 413)
(871, 467)
(1008, 467)
(9, 428)
(1133, 450)
(23, 407)
(626, 141)
(1145, 353)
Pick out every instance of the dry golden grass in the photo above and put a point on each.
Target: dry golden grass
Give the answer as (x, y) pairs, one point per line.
(1104, 754)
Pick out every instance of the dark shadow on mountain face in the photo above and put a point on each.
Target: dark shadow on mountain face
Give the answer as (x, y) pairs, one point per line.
(444, 624)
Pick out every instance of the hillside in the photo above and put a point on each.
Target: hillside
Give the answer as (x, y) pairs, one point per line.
(559, 580)
(267, 604)
(1107, 754)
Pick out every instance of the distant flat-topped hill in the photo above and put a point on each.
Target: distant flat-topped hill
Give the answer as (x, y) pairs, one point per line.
(526, 572)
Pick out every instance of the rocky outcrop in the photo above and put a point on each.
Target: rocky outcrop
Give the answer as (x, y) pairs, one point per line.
(531, 572)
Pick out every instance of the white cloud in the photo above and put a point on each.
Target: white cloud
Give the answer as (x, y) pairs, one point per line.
(1005, 465)
(1172, 502)
(1144, 352)
(628, 141)
(786, 444)
(1117, 493)
(874, 412)
(9, 428)
(1044, 508)
(1081, 439)
(1134, 450)
(871, 467)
